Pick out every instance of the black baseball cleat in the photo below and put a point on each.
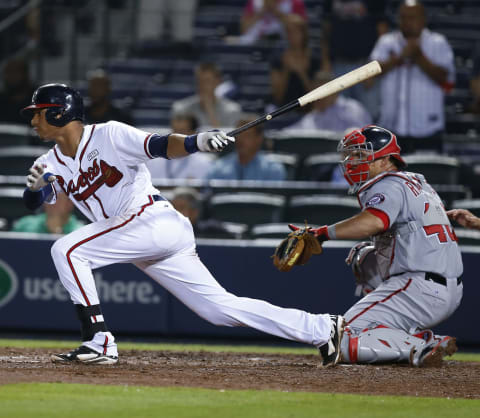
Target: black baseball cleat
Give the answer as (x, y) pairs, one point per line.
(330, 351)
(84, 354)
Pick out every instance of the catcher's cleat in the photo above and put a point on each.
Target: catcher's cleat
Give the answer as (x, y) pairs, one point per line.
(447, 343)
(84, 354)
(430, 355)
(330, 351)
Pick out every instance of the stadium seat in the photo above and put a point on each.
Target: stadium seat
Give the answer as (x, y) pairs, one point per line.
(437, 169)
(321, 209)
(289, 161)
(319, 167)
(11, 204)
(467, 236)
(246, 208)
(12, 181)
(14, 135)
(271, 230)
(473, 205)
(17, 160)
(304, 144)
(462, 123)
(214, 229)
(451, 192)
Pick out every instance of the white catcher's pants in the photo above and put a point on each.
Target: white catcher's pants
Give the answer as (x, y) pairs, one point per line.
(160, 241)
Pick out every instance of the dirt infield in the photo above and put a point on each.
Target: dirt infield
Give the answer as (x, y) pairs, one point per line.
(245, 371)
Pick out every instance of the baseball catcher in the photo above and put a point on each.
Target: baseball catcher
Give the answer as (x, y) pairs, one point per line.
(409, 270)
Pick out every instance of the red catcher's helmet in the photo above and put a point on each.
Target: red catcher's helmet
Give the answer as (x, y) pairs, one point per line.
(363, 146)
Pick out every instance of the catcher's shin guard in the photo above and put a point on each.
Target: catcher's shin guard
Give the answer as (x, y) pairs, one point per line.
(379, 345)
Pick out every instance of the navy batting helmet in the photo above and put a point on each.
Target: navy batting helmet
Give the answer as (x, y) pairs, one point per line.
(63, 104)
(363, 146)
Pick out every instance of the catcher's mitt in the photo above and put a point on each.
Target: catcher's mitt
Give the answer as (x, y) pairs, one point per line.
(296, 249)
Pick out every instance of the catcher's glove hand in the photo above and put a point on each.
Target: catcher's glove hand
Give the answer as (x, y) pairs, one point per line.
(296, 248)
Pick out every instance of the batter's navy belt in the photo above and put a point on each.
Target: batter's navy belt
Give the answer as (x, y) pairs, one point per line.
(439, 279)
(158, 197)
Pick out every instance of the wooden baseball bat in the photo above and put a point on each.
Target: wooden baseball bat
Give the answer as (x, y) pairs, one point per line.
(338, 84)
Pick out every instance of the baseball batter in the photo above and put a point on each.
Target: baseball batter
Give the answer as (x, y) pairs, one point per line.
(101, 168)
(411, 272)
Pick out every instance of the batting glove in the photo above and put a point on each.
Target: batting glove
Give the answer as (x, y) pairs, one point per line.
(37, 179)
(213, 141)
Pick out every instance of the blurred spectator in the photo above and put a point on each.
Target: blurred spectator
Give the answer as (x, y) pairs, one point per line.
(293, 70)
(157, 18)
(333, 113)
(56, 219)
(248, 162)
(195, 166)
(100, 108)
(209, 109)
(188, 202)
(418, 67)
(17, 91)
(350, 30)
(267, 18)
(474, 106)
(42, 27)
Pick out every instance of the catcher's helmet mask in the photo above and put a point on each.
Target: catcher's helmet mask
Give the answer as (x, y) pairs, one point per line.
(63, 104)
(363, 146)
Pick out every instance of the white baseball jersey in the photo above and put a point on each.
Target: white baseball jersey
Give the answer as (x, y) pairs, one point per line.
(109, 182)
(108, 176)
(412, 104)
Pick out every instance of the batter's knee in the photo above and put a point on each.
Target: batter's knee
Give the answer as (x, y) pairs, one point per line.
(220, 312)
(59, 250)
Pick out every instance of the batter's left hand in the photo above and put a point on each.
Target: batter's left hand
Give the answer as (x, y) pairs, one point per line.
(38, 178)
(213, 141)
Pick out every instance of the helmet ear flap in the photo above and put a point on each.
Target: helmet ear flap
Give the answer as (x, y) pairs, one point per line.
(56, 116)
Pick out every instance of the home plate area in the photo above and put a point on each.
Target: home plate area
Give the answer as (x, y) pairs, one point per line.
(283, 372)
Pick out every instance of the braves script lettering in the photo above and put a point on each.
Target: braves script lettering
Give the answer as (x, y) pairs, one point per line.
(93, 178)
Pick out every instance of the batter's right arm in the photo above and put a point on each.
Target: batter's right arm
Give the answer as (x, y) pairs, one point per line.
(211, 141)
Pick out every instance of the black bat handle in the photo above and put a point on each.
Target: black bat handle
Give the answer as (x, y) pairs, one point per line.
(279, 111)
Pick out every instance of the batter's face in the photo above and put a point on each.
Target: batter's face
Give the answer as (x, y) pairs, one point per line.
(40, 125)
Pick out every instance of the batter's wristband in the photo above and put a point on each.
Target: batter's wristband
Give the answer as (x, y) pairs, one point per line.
(331, 232)
(190, 144)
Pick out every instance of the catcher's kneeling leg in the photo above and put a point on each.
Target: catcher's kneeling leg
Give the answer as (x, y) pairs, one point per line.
(378, 345)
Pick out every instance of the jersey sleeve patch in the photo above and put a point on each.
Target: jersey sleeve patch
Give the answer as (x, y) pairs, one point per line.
(375, 200)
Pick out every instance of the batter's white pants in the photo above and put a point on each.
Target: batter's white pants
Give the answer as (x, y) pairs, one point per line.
(160, 241)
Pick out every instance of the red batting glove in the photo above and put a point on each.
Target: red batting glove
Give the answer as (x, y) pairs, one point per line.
(320, 233)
